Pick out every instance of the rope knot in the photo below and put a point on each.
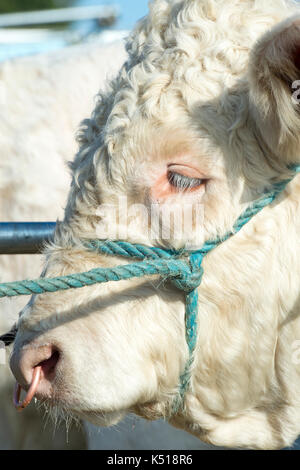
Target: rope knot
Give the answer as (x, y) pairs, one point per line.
(191, 277)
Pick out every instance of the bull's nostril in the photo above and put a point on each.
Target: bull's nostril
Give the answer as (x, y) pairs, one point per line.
(24, 361)
(49, 365)
(42, 374)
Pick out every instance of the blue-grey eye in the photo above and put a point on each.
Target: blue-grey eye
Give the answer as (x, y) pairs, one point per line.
(183, 183)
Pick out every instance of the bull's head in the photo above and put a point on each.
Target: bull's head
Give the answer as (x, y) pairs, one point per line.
(190, 123)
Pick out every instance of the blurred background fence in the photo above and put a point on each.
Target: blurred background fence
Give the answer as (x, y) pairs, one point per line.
(33, 26)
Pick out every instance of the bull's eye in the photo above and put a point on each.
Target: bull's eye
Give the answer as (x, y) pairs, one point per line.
(182, 182)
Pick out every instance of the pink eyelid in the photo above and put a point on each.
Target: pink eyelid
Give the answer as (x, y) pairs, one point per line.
(162, 188)
(185, 170)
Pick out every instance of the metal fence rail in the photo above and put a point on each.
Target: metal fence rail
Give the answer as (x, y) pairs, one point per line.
(21, 238)
(61, 15)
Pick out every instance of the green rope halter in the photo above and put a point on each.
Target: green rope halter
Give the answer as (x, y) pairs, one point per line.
(183, 268)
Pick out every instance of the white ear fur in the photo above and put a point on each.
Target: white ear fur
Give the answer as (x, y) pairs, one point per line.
(274, 88)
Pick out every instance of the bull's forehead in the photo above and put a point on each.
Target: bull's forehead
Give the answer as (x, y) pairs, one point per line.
(153, 105)
(185, 52)
(200, 43)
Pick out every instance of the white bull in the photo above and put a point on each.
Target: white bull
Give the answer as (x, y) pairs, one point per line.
(43, 99)
(203, 115)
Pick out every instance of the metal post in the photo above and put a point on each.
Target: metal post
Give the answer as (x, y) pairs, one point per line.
(20, 238)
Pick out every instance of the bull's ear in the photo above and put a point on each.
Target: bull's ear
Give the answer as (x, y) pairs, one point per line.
(274, 72)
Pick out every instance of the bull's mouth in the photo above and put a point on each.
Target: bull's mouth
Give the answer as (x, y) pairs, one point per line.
(59, 409)
(60, 403)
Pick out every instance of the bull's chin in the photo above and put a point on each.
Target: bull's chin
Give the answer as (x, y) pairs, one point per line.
(99, 418)
(59, 408)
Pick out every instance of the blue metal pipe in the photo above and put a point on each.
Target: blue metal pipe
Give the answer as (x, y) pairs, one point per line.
(20, 238)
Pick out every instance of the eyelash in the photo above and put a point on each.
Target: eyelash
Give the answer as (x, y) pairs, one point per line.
(183, 183)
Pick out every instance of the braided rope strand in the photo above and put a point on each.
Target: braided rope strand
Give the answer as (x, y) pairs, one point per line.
(168, 268)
